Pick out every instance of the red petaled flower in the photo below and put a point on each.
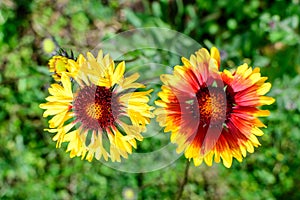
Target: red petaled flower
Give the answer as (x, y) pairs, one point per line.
(212, 115)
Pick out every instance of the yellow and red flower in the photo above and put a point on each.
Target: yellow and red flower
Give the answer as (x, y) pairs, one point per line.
(212, 115)
(102, 113)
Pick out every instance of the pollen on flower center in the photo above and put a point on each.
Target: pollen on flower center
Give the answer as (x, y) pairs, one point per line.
(93, 107)
(94, 111)
(212, 105)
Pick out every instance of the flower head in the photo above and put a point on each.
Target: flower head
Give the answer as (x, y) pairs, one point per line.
(212, 115)
(62, 65)
(102, 113)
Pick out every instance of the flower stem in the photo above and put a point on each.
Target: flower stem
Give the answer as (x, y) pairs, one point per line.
(184, 181)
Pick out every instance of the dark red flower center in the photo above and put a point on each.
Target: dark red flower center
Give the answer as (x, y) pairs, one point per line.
(93, 107)
(213, 105)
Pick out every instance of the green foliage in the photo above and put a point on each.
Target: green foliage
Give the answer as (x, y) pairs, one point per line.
(260, 33)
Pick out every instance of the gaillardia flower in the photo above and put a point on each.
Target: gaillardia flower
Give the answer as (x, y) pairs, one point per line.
(63, 64)
(102, 113)
(212, 115)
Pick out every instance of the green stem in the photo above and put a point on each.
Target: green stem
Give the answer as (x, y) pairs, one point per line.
(184, 181)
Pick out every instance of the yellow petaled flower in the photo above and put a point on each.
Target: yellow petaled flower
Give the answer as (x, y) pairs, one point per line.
(60, 64)
(103, 113)
(212, 115)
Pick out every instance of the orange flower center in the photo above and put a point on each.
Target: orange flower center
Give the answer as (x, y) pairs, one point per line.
(93, 107)
(212, 105)
(94, 110)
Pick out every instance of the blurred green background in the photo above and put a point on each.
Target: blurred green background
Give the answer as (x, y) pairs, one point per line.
(260, 33)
